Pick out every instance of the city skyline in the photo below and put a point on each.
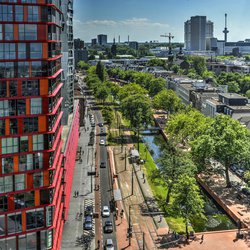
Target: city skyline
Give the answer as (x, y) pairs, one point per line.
(146, 20)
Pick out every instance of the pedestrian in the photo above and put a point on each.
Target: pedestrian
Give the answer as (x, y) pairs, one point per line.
(160, 220)
(98, 244)
(144, 180)
(75, 194)
(143, 175)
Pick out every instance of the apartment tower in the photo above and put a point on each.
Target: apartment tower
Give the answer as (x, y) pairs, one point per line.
(32, 164)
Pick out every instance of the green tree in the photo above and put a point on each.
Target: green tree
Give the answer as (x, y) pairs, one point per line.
(100, 71)
(83, 65)
(156, 85)
(130, 90)
(108, 115)
(167, 100)
(102, 93)
(188, 201)
(248, 94)
(199, 64)
(173, 164)
(233, 87)
(156, 62)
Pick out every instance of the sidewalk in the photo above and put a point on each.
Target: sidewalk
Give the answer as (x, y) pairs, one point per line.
(145, 227)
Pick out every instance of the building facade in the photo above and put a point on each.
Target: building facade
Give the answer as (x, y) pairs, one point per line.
(196, 31)
(34, 184)
(102, 39)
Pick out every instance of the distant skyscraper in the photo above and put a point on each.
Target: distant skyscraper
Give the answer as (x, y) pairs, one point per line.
(197, 30)
(102, 39)
(93, 41)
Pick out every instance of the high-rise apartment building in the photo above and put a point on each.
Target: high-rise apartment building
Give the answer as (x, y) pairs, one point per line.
(102, 39)
(196, 31)
(34, 171)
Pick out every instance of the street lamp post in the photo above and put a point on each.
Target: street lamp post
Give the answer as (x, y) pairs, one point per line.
(125, 158)
(132, 181)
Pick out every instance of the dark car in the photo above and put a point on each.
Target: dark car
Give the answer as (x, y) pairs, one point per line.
(245, 191)
(108, 227)
(88, 211)
(100, 124)
(103, 165)
(88, 225)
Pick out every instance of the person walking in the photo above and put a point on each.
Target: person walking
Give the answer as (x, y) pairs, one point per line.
(202, 238)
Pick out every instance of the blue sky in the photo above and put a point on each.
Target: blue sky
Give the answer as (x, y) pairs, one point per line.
(146, 20)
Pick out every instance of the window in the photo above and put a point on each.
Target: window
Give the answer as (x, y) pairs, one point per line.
(30, 124)
(2, 127)
(21, 107)
(6, 184)
(14, 223)
(20, 182)
(38, 180)
(6, 13)
(30, 162)
(7, 51)
(27, 31)
(1, 32)
(2, 217)
(36, 69)
(28, 1)
(7, 165)
(23, 69)
(38, 142)
(30, 88)
(9, 145)
(49, 216)
(24, 144)
(44, 198)
(3, 208)
(13, 126)
(35, 50)
(19, 13)
(3, 89)
(33, 14)
(6, 69)
(24, 200)
(9, 35)
(13, 88)
(35, 218)
(21, 50)
(4, 108)
(36, 106)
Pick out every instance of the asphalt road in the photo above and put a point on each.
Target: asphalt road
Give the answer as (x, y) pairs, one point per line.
(105, 178)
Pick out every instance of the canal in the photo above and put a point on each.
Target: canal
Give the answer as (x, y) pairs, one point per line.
(216, 218)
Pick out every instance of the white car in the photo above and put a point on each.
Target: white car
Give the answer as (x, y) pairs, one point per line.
(105, 211)
(109, 244)
(102, 142)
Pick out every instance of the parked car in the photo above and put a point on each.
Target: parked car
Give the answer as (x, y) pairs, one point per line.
(109, 245)
(103, 165)
(88, 211)
(108, 227)
(105, 211)
(245, 191)
(240, 172)
(100, 124)
(88, 225)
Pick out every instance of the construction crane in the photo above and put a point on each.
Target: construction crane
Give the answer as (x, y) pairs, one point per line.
(170, 37)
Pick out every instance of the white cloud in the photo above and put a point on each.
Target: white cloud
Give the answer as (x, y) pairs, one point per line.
(139, 29)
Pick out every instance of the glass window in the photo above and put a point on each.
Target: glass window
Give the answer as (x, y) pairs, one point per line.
(6, 13)
(19, 13)
(21, 106)
(24, 200)
(38, 180)
(31, 241)
(2, 127)
(36, 106)
(33, 14)
(9, 35)
(3, 207)
(23, 69)
(2, 222)
(14, 222)
(38, 160)
(12, 107)
(19, 182)
(9, 50)
(24, 144)
(13, 88)
(22, 51)
(35, 218)
(30, 88)
(3, 89)
(35, 50)
(28, 1)
(6, 184)
(36, 69)
(30, 124)
(30, 162)
(45, 198)
(1, 32)
(11, 243)
(13, 126)
(4, 108)
(38, 142)
(49, 216)
(6, 69)
(7, 165)
(9, 145)
(27, 31)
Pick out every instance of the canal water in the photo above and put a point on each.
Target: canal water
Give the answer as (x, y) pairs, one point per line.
(216, 218)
